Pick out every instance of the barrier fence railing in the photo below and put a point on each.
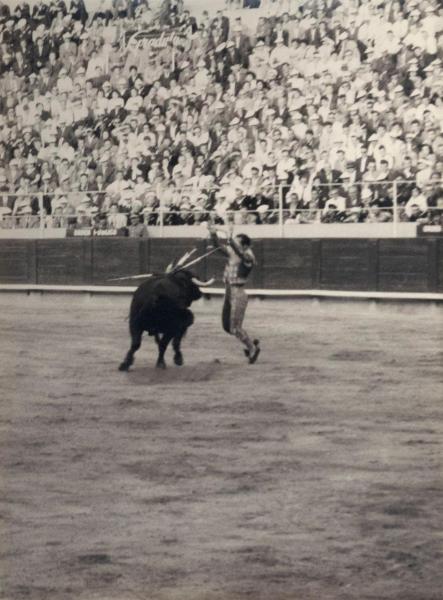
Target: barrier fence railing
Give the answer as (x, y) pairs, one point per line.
(299, 202)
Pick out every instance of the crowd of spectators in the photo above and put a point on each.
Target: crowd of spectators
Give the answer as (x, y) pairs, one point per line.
(317, 107)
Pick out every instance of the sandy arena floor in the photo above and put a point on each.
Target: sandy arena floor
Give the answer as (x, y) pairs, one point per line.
(315, 474)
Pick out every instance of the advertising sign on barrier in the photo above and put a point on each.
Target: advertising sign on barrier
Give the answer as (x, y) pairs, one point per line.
(424, 230)
(90, 231)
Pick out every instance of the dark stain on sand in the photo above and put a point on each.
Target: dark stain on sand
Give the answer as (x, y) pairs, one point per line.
(94, 559)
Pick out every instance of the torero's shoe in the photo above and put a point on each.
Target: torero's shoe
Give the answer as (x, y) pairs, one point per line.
(253, 355)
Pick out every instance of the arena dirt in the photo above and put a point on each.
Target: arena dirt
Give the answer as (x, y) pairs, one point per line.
(315, 474)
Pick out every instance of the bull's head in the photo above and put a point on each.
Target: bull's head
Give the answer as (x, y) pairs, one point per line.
(189, 284)
(179, 266)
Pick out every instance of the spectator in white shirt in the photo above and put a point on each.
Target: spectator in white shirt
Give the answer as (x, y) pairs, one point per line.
(280, 54)
(417, 199)
(388, 44)
(285, 166)
(424, 172)
(64, 82)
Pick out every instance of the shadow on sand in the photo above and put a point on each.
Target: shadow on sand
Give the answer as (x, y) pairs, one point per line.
(203, 371)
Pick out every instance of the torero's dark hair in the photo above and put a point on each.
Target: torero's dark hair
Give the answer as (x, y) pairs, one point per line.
(244, 239)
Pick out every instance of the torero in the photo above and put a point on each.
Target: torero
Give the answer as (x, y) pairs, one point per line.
(240, 263)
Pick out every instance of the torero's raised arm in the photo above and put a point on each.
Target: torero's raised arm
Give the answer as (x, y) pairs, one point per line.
(217, 242)
(232, 247)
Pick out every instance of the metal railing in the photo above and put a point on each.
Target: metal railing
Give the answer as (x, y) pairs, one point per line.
(299, 202)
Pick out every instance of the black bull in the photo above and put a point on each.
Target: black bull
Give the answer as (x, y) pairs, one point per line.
(160, 307)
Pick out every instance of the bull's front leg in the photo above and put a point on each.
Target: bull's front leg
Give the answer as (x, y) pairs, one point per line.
(162, 343)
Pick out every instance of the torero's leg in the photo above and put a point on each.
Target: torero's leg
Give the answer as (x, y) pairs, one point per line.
(243, 336)
(239, 302)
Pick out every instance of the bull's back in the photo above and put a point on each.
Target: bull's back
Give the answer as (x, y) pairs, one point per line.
(145, 297)
(157, 306)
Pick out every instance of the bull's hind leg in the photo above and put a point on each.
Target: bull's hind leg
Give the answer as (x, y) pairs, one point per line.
(136, 338)
(178, 356)
(162, 343)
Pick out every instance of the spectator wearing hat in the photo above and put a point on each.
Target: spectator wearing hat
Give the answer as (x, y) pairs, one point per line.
(329, 179)
(417, 205)
(67, 51)
(46, 188)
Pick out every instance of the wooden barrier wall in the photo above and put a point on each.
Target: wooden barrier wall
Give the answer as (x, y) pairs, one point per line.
(403, 265)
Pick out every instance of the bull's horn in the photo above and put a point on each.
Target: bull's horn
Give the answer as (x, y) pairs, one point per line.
(203, 283)
(170, 267)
